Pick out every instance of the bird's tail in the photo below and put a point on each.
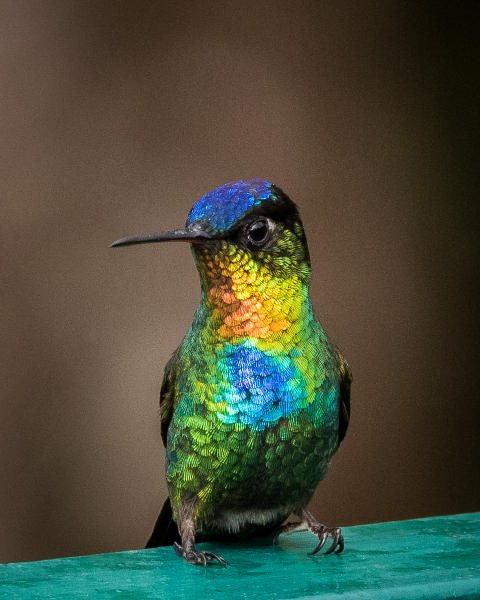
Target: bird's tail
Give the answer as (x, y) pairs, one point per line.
(165, 531)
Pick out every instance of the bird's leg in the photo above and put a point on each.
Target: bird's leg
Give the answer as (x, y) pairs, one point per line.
(323, 532)
(186, 527)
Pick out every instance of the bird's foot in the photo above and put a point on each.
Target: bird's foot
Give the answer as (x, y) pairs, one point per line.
(323, 532)
(309, 523)
(194, 557)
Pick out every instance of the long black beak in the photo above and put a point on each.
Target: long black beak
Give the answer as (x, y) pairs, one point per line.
(177, 235)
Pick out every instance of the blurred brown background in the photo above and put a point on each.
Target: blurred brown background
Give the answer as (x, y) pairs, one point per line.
(115, 118)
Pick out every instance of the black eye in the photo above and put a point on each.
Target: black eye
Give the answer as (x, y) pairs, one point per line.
(258, 232)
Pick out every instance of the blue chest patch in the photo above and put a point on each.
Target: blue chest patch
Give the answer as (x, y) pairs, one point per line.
(224, 205)
(261, 388)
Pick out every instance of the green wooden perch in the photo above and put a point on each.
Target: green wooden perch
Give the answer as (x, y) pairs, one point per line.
(435, 558)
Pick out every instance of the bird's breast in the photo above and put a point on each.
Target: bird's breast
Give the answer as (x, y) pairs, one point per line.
(253, 428)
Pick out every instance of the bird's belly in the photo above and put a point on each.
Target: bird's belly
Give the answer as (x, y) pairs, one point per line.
(246, 480)
(258, 490)
(275, 474)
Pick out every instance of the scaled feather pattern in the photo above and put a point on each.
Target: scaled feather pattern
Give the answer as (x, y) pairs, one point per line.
(257, 385)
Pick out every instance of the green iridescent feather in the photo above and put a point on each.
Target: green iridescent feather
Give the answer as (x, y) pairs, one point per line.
(219, 454)
(255, 400)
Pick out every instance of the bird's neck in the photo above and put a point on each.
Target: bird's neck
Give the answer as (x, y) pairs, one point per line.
(270, 313)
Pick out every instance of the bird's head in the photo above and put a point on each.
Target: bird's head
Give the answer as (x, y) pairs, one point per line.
(249, 246)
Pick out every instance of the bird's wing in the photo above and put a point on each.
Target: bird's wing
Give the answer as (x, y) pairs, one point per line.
(344, 397)
(167, 393)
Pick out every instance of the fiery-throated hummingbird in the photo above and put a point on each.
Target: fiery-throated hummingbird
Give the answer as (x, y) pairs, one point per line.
(255, 400)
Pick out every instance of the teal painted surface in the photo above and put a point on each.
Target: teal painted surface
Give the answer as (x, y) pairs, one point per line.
(435, 558)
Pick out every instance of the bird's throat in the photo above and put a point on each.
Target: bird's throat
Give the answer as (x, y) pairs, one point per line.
(239, 309)
(242, 299)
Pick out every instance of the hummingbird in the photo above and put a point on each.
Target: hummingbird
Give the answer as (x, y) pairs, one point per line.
(255, 400)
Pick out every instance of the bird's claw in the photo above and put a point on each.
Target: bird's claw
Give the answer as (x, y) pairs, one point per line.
(324, 533)
(195, 557)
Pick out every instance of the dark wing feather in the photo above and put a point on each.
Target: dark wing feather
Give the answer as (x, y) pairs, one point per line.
(344, 399)
(165, 531)
(167, 393)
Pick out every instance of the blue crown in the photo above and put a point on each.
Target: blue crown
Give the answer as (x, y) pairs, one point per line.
(229, 202)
